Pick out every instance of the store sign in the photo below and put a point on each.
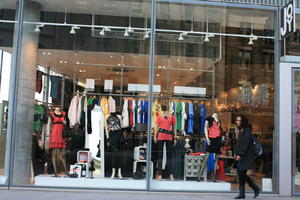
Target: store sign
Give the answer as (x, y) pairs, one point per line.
(288, 19)
(108, 85)
(193, 91)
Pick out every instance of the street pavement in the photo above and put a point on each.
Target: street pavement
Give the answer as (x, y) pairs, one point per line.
(18, 194)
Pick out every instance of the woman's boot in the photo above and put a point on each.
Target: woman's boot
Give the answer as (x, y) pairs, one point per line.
(241, 193)
(255, 188)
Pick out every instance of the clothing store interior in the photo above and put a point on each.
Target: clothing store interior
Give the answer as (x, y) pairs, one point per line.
(90, 119)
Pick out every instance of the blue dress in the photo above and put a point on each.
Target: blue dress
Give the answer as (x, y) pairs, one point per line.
(191, 119)
(202, 113)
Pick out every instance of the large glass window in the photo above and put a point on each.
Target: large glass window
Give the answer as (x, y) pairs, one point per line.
(83, 94)
(211, 61)
(8, 11)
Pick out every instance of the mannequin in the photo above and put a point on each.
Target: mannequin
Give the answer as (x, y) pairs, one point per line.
(212, 132)
(57, 142)
(165, 133)
(115, 140)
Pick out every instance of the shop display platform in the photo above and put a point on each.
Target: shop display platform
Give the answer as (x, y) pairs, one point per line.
(129, 183)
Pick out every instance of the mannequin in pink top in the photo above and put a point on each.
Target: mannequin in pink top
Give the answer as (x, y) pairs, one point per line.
(214, 141)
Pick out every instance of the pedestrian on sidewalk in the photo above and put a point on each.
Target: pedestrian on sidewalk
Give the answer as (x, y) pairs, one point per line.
(245, 156)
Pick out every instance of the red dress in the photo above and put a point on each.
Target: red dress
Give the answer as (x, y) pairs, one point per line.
(56, 139)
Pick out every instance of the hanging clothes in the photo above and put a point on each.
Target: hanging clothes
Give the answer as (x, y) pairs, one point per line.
(211, 162)
(54, 90)
(133, 113)
(139, 112)
(104, 105)
(202, 114)
(144, 112)
(190, 119)
(111, 105)
(74, 111)
(97, 125)
(183, 119)
(125, 114)
(130, 112)
(178, 115)
(56, 139)
(39, 112)
(196, 119)
(39, 81)
(156, 111)
(82, 112)
(91, 104)
(178, 159)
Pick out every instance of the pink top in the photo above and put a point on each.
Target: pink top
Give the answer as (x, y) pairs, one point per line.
(111, 105)
(214, 131)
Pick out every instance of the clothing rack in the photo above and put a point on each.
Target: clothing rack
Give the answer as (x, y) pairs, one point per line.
(45, 103)
(138, 96)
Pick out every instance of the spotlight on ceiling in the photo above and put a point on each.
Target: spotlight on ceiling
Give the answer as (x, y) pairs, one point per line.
(102, 33)
(250, 41)
(72, 31)
(107, 29)
(38, 28)
(146, 35)
(126, 34)
(206, 39)
(130, 30)
(180, 38)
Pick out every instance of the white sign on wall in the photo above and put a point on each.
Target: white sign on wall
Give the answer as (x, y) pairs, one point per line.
(108, 85)
(194, 91)
(142, 88)
(90, 84)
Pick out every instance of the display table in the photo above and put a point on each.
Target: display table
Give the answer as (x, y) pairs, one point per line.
(192, 166)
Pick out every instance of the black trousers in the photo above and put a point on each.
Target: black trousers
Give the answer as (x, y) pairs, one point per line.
(243, 178)
(160, 148)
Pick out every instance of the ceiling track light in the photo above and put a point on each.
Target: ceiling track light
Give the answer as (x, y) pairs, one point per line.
(102, 32)
(250, 41)
(180, 38)
(38, 28)
(206, 39)
(130, 30)
(126, 34)
(107, 29)
(72, 31)
(146, 35)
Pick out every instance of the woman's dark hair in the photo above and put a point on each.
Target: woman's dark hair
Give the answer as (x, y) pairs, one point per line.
(244, 121)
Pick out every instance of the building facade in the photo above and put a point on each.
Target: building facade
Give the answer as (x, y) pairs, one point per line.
(124, 62)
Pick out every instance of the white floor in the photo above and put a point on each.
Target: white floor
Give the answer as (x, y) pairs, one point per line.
(128, 183)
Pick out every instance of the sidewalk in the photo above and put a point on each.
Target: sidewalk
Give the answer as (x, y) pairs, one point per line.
(118, 195)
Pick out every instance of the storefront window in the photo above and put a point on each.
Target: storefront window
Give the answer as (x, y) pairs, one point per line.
(291, 45)
(8, 11)
(295, 130)
(206, 67)
(83, 95)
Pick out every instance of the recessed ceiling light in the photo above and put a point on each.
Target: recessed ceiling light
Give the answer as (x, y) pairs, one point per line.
(49, 53)
(119, 64)
(164, 67)
(61, 61)
(159, 66)
(178, 60)
(77, 63)
(65, 62)
(44, 53)
(111, 56)
(191, 68)
(157, 75)
(175, 83)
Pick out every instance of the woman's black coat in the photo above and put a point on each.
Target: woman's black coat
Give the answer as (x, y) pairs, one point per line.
(245, 149)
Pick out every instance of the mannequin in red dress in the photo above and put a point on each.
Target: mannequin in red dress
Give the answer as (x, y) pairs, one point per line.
(57, 142)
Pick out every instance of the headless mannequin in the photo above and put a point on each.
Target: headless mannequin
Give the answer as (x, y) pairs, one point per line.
(168, 142)
(58, 154)
(208, 139)
(112, 126)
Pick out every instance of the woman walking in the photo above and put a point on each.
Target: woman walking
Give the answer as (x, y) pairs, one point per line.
(245, 156)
